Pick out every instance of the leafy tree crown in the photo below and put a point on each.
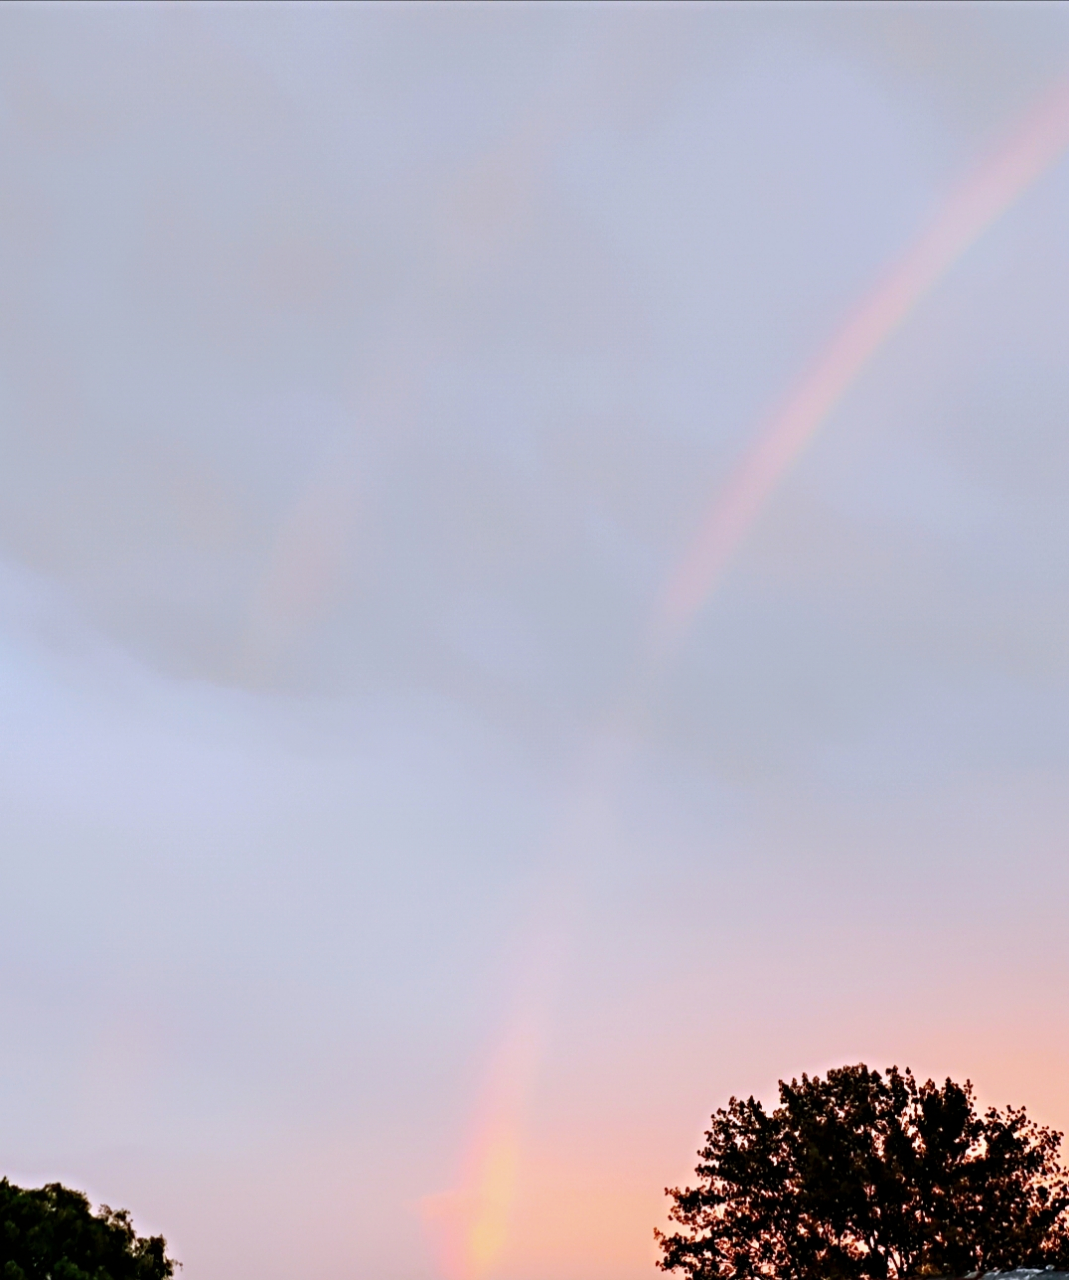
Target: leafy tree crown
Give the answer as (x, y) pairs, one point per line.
(51, 1233)
(869, 1176)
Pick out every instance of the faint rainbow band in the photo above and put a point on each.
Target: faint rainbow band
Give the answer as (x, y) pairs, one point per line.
(967, 214)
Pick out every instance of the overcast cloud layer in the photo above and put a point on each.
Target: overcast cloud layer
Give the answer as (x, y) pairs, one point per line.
(363, 373)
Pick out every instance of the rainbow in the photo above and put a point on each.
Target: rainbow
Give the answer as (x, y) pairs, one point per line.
(965, 216)
(479, 1214)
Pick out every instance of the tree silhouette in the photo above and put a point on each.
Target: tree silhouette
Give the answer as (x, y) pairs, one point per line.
(52, 1234)
(868, 1175)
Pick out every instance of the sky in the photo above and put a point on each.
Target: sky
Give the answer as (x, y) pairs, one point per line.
(534, 597)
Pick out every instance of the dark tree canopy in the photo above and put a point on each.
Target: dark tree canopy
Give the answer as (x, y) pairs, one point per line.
(865, 1174)
(52, 1234)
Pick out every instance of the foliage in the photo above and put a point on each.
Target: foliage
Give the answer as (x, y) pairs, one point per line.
(863, 1175)
(52, 1234)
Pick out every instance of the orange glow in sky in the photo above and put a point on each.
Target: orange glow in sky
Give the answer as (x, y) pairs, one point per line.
(471, 1225)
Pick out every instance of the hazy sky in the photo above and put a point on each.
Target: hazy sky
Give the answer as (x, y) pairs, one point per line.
(365, 372)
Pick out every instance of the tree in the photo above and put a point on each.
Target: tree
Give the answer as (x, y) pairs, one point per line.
(869, 1176)
(52, 1234)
